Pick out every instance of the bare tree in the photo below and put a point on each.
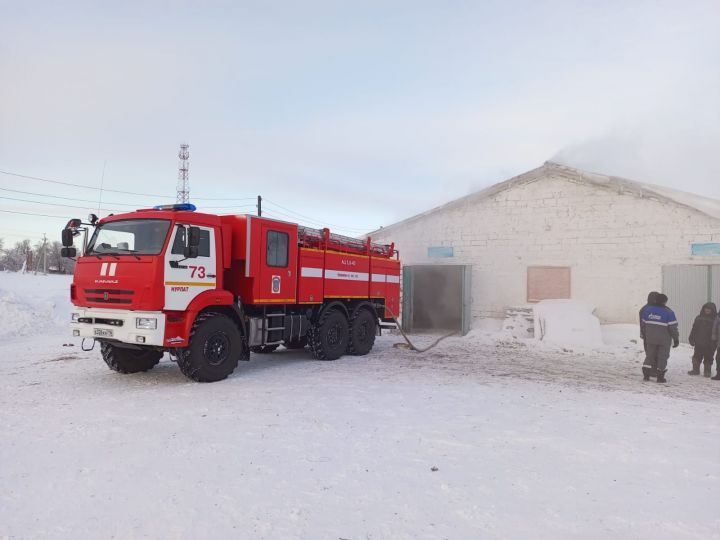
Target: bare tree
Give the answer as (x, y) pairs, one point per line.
(55, 262)
(14, 258)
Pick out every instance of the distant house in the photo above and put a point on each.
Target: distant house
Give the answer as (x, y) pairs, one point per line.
(559, 232)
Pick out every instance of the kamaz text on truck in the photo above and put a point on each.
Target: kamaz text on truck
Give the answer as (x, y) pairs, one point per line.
(210, 289)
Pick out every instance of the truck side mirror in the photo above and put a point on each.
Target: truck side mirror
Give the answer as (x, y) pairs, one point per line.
(67, 237)
(193, 242)
(68, 252)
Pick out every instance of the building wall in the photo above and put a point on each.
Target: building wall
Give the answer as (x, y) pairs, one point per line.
(616, 244)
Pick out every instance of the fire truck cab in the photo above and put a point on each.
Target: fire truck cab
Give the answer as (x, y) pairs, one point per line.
(210, 289)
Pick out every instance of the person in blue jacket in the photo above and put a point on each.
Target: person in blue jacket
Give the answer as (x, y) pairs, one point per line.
(659, 330)
(651, 299)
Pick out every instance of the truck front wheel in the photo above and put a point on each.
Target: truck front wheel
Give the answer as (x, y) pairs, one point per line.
(328, 338)
(124, 360)
(215, 348)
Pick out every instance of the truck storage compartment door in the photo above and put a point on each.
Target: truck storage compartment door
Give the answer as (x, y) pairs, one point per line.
(278, 253)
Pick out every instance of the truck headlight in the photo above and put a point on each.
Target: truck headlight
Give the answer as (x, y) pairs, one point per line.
(146, 323)
(75, 317)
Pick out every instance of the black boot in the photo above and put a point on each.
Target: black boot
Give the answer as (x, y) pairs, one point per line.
(646, 373)
(695, 369)
(707, 371)
(716, 377)
(661, 377)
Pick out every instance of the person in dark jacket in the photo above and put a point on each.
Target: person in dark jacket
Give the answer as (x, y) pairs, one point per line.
(716, 338)
(659, 328)
(701, 337)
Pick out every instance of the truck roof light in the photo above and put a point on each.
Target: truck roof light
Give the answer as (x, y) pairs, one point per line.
(179, 207)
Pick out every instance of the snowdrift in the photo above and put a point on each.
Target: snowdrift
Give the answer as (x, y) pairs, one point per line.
(567, 322)
(33, 303)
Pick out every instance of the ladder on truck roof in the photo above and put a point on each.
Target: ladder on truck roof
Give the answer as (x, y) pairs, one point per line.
(324, 239)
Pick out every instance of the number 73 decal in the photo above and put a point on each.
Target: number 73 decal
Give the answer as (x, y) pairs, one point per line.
(198, 271)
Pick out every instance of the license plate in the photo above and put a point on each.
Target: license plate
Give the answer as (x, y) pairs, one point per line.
(100, 332)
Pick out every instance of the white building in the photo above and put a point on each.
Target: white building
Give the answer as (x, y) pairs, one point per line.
(559, 232)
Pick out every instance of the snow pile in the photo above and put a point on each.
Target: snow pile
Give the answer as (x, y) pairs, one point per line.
(621, 335)
(519, 322)
(32, 303)
(567, 322)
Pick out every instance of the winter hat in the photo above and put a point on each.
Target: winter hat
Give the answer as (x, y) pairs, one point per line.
(711, 306)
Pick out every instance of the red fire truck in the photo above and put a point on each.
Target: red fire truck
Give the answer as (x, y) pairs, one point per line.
(210, 289)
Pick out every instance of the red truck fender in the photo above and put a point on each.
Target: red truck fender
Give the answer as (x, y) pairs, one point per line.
(179, 323)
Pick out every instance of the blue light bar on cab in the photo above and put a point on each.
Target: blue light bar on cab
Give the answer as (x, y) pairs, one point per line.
(184, 206)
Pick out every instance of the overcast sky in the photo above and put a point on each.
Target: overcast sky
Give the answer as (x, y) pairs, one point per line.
(353, 114)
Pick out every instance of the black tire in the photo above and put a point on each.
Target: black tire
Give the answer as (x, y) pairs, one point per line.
(362, 332)
(124, 360)
(299, 344)
(216, 345)
(328, 338)
(263, 349)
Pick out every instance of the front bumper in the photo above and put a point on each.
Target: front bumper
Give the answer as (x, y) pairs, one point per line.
(118, 325)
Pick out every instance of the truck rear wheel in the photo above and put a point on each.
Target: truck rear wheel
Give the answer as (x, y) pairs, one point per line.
(328, 338)
(124, 360)
(216, 345)
(362, 332)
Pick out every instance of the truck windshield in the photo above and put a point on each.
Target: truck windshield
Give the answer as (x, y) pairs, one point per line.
(129, 237)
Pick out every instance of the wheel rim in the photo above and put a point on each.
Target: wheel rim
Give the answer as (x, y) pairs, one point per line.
(217, 349)
(334, 335)
(362, 332)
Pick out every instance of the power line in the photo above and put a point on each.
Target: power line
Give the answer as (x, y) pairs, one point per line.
(63, 183)
(54, 204)
(32, 236)
(294, 215)
(33, 214)
(312, 220)
(274, 215)
(66, 198)
(107, 202)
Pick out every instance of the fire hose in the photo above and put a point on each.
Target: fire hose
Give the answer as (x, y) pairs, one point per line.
(410, 343)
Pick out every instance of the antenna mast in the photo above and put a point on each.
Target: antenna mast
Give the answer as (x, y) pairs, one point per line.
(183, 187)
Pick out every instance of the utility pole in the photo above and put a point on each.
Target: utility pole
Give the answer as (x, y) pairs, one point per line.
(183, 187)
(259, 206)
(44, 248)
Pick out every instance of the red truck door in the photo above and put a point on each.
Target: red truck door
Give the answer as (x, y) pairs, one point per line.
(187, 278)
(277, 281)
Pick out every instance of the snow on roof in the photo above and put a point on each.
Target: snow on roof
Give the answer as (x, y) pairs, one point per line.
(704, 205)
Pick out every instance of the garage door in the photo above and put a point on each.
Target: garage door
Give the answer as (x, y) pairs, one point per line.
(688, 287)
(436, 297)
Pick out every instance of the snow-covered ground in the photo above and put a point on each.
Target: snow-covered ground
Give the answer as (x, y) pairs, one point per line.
(483, 437)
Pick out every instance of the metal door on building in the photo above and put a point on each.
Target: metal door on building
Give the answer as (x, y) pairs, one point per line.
(436, 297)
(688, 287)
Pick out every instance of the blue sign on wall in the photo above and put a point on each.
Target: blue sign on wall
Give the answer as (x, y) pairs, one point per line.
(706, 250)
(440, 251)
